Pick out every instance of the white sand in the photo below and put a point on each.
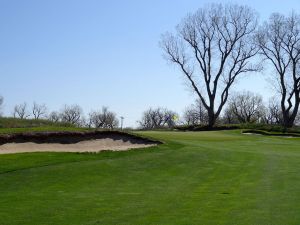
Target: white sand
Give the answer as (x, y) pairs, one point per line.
(282, 136)
(251, 134)
(83, 146)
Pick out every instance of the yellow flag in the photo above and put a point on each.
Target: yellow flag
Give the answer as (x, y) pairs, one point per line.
(175, 118)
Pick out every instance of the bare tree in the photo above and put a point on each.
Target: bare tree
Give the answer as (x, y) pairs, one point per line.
(273, 112)
(158, 118)
(103, 119)
(212, 47)
(195, 114)
(247, 107)
(1, 103)
(20, 111)
(39, 110)
(229, 117)
(279, 42)
(83, 122)
(190, 117)
(71, 114)
(112, 120)
(54, 116)
(171, 118)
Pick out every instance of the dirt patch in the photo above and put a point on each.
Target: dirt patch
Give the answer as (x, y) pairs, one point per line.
(72, 142)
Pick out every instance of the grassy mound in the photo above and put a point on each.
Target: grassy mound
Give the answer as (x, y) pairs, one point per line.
(14, 125)
(9, 122)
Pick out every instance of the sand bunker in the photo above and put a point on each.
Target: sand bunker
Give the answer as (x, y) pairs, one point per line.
(260, 133)
(247, 133)
(83, 146)
(72, 142)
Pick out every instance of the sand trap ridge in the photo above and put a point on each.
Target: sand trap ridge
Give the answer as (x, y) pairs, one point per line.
(83, 146)
(95, 142)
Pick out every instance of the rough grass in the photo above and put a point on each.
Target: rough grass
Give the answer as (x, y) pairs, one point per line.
(10, 122)
(41, 129)
(14, 125)
(217, 177)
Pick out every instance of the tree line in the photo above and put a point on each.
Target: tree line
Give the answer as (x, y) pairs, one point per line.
(71, 114)
(241, 108)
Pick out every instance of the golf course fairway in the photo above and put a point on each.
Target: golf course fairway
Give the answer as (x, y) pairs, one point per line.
(215, 177)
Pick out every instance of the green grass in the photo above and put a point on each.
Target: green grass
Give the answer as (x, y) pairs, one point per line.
(10, 125)
(249, 126)
(40, 129)
(217, 177)
(10, 122)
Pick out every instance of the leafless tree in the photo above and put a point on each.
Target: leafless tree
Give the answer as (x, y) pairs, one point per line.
(71, 114)
(103, 119)
(54, 116)
(158, 118)
(229, 116)
(247, 107)
(1, 103)
(39, 110)
(273, 113)
(20, 111)
(212, 47)
(279, 42)
(171, 118)
(195, 114)
(83, 122)
(190, 117)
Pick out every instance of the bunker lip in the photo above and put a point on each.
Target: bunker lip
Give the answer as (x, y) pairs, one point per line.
(92, 141)
(72, 137)
(261, 132)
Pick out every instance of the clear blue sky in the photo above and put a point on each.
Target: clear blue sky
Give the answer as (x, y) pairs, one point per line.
(101, 53)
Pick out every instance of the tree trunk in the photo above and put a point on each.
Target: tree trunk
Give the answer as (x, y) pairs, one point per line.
(288, 121)
(211, 119)
(287, 124)
(289, 118)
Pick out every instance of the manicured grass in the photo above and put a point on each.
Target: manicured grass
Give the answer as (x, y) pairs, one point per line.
(217, 177)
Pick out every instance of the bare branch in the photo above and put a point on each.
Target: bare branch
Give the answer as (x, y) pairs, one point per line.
(39, 110)
(20, 111)
(216, 41)
(71, 114)
(279, 43)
